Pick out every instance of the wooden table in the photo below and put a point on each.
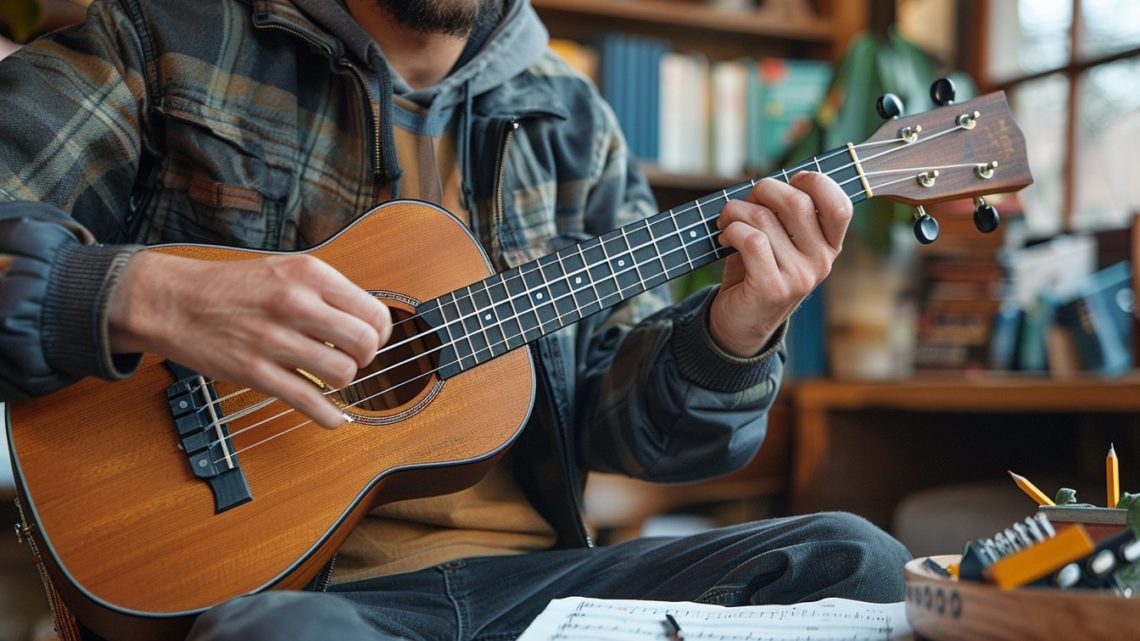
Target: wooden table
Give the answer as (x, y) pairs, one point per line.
(816, 403)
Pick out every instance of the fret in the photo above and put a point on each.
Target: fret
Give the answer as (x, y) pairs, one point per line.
(586, 295)
(698, 236)
(681, 235)
(785, 173)
(489, 318)
(633, 259)
(539, 295)
(450, 315)
(505, 309)
(815, 159)
(646, 254)
(558, 285)
(524, 306)
(620, 263)
(840, 168)
(470, 325)
(601, 273)
(667, 242)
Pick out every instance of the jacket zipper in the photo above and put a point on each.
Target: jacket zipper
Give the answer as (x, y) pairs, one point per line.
(500, 205)
(374, 110)
(374, 107)
(570, 478)
(497, 252)
(326, 575)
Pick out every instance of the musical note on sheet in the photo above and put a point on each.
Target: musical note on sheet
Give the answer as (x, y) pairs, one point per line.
(582, 619)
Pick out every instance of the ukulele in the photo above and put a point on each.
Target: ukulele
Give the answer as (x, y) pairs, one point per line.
(152, 499)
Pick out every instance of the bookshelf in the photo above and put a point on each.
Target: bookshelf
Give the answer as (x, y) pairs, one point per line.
(703, 182)
(937, 429)
(818, 30)
(689, 15)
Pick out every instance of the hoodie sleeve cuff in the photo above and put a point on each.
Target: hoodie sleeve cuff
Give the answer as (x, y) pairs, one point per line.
(704, 363)
(75, 312)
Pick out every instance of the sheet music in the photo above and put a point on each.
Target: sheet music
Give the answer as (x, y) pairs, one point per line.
(582, 619)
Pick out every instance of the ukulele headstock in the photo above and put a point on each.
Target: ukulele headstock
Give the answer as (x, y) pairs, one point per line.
(975, 149)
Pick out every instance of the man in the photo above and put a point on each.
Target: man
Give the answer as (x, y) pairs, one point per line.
(273, 124)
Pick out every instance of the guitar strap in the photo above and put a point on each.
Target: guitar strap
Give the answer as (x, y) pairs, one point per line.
(65, 624)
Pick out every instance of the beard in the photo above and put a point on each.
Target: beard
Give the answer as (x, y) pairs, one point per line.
(447, 17)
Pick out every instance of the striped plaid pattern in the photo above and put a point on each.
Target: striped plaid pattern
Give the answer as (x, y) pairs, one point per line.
(242, 122)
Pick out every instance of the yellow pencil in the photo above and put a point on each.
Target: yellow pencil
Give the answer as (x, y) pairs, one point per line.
(1030, 489)
(1112, 476)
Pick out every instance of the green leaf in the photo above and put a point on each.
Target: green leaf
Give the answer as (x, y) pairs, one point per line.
(1066, 496)
(871, 67)
(20, 17)
(1128, 502)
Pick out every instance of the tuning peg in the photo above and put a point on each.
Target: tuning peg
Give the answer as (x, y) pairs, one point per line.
(986, 217)
(925, 227)
(889, 106)
(942, 92)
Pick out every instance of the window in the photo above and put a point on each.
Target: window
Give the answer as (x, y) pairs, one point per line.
(1072, 72)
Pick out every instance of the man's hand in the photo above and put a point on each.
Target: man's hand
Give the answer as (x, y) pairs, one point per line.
(251, 322)
(787, 237)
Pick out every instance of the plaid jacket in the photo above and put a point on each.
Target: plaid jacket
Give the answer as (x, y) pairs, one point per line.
(230, 121)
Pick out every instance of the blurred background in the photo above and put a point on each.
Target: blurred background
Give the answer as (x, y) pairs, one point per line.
(918, 374)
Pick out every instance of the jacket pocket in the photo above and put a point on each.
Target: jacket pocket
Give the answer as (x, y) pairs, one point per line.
(216, 183)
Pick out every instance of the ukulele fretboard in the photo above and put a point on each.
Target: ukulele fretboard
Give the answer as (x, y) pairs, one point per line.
(508, 310)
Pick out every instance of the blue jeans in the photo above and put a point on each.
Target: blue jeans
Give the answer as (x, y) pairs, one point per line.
(495, 598)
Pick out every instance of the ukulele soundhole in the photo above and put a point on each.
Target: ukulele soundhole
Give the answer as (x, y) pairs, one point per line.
(401, 372)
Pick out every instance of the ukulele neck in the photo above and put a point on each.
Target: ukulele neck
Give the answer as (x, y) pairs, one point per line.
(511, 309)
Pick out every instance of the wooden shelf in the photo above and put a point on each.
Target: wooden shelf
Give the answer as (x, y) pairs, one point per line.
(832, 414)
(989, 392)
(702, 182)
(693, 15)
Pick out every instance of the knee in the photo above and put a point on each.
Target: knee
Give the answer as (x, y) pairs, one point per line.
(849, 528)
(271, 616)
(874, 558)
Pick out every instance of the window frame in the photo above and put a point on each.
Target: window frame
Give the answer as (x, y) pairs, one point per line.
(974, 27)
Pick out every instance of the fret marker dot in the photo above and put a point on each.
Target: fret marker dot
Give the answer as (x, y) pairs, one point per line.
(692, 234)
(578, 280)
(538, 296)
(621, 263)
(487, 317)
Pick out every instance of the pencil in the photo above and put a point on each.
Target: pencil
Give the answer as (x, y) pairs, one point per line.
(673, 629)
(1112, 476)
(1030, 489)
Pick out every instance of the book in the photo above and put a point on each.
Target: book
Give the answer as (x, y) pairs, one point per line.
(791, 92)
(581, 58)
(807, 338)
(683, 131)
(1041, 277)
(1098, 319)
(729, 117)
(631, 83)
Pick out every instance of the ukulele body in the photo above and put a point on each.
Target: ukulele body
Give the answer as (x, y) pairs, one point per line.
(137, 544)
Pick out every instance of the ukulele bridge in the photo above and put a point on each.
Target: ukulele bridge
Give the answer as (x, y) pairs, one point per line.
(204, 437)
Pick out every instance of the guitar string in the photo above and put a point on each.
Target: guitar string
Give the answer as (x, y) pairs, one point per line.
(482, 310)
(521, 274)
(792, 170)
(438, 368)
(653, 241)
(618, 291)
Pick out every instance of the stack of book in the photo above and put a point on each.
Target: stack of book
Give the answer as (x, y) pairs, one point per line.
(963, 284)
(687, 115)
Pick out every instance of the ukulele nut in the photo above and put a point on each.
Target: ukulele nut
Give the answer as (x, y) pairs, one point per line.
(969, 120)
(927, 178)
(985, 171)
